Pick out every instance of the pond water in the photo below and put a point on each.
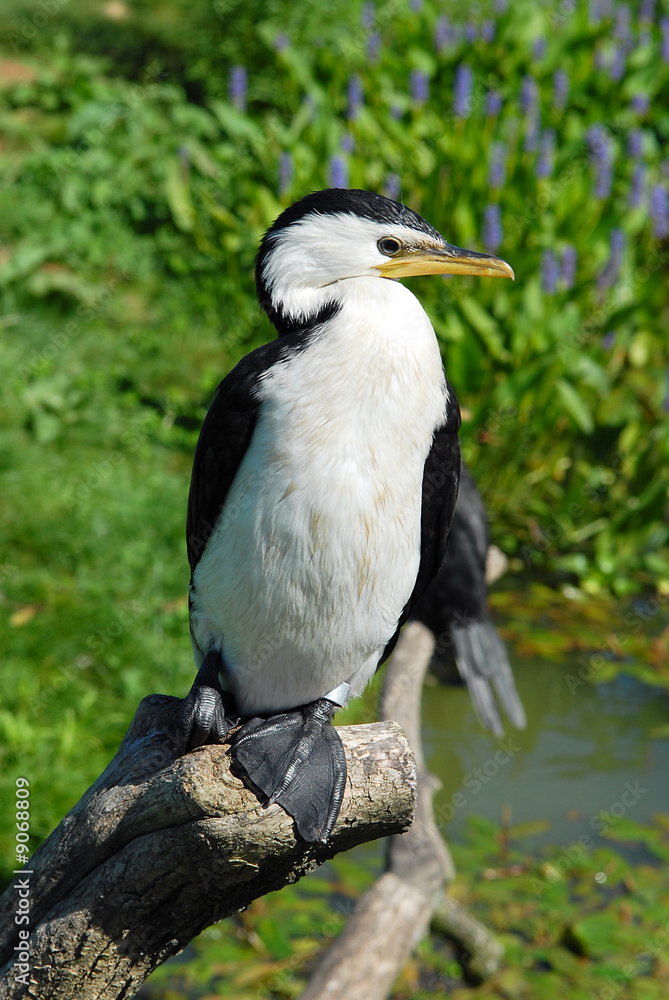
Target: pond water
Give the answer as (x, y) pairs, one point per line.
(587, 750)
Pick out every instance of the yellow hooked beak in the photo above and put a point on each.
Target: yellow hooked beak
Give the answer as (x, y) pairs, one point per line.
(447, 260)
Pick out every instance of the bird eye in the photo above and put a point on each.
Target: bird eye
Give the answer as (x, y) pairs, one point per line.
(389, 246)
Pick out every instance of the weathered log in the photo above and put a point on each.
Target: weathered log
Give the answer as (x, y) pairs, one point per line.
(161, 847)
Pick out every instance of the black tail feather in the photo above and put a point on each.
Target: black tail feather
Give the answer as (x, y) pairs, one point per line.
(484, 666)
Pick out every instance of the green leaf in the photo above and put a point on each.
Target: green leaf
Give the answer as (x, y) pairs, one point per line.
(486, 327)
(594, 935)
(575, 405)
(178, 196)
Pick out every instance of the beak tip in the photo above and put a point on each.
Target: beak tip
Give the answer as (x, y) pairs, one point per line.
(503, 270)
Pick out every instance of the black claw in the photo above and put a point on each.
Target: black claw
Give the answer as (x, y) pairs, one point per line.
(297, 759)
(202, 717)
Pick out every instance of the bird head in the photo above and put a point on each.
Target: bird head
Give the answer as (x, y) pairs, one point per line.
(334, 235)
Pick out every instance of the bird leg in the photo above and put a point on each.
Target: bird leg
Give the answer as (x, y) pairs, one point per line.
(202, 716)
(298, 760)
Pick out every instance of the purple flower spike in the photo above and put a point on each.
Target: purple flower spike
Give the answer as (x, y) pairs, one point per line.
(462, 91)
(538, 49)
(609, 275)
(238, 87)
(594, 13)
(493, 103)
(497, 172)
(374, 47)
(618, 241)
(659, 211)
(285, 172)
(492, 228)
(501, 6)
(604, 181)
(638, 186)
(368, 16)
(471, 32)
(546, 153)
(600, 149)
(568, 270)
(529, 94)
(416, 5)
(608, 340)
(623, 25)
(348, 143)
(355, 97)
(635, 143)
(420, 86)
(617, 67)
(647, 11)
(640, 103)
(281, 41)
(393, 187)
(338, 172)
(560, 89)
(442, 33)
(600, 58)
(488, 30)
(664, 28)
(550, 272)
(532, 131)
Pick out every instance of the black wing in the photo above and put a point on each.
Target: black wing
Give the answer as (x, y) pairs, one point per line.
(440, 492)
(228, 428)
(459, 593)
(455, 605)
(224, 438)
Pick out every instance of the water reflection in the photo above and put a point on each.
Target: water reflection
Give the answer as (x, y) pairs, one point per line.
(585, 750)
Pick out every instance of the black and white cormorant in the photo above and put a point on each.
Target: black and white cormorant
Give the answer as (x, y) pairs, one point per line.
(322, 493)
(454, 607)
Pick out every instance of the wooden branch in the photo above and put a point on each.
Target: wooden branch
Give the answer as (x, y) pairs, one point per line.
(395, 913)
(161, 847)
(482, 949)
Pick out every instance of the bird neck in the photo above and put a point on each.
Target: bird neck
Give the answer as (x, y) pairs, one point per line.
(293, 302)
(377, 346)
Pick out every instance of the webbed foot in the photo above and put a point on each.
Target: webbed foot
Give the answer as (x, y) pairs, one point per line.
(297, 759)
(202, 716)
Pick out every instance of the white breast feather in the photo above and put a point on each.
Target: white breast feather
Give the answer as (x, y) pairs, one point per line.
(318, 545)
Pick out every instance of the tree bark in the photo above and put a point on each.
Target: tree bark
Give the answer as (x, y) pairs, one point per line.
(161, 847)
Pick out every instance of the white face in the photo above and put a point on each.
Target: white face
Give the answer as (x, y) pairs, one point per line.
(313, 254)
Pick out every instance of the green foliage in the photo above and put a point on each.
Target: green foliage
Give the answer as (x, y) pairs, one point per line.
(109, 178)
(133, 192)
(577, 919)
